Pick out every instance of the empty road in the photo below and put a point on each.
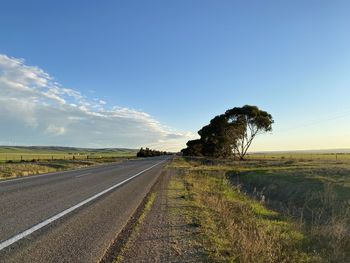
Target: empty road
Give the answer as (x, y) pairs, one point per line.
(71, 216)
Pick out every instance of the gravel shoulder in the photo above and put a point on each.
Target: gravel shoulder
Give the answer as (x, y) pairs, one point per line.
(166, 231)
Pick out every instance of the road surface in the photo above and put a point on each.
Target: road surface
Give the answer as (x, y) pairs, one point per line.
(71, 216)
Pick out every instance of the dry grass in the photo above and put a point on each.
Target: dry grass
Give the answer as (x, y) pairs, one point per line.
(327, 225)
(19, 169)
(237, 228)
(316, 195)
(136, 229)
(42, 153)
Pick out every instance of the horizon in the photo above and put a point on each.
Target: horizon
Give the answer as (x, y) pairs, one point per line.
(131, 75)
(316, 151)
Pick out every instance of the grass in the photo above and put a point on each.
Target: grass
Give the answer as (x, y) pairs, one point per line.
(315, 193)
(272, 210)
(235, 227)
(300, 156)
(18, 153)
(136, 228)
(19, 169)
(16, 161)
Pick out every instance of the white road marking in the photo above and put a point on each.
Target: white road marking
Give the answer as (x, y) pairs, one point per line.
(81, 175)
(48, 221)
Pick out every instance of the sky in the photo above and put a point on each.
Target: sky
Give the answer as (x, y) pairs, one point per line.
(152, 73)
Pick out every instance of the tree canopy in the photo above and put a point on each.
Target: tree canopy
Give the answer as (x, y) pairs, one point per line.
(194, 148)
(230, 133)
(149, 153)
(216, 138)
(250, 121)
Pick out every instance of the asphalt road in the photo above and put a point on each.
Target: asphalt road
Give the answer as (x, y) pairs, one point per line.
(71, 216)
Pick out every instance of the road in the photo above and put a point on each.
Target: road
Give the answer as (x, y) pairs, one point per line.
(71, 216)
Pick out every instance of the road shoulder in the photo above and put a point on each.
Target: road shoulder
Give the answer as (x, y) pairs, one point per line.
(165, 230)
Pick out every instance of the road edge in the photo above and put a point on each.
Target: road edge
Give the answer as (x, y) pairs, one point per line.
(123, 236)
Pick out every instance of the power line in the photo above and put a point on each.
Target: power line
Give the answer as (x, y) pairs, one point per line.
(312, 123)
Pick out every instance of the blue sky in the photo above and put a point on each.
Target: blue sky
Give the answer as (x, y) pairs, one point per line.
(181, 63)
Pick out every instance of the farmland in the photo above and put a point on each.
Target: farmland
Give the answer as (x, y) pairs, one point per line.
(24, 161)
(18, 153)
(321, 156)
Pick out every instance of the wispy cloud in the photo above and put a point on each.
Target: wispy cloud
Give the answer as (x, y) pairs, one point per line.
(35, 109)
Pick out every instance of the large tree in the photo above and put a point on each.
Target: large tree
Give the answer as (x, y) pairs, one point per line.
(249, 121)
(194, 148)
(230, 133)
(217, 138)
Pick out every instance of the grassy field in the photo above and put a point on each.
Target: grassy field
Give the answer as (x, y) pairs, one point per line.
(272, 209)
(16, 154)
(314, 193)
(19, 169)
(299, 156)
(24, 161)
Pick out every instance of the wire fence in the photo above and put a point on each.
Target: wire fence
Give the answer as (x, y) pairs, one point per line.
(302, 156)
(8, 157)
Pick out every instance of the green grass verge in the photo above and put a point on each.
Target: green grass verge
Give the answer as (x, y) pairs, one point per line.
(235, 227)
(136, 229)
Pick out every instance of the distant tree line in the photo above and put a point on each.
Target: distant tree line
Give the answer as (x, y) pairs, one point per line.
(230, 134)
(149, 153)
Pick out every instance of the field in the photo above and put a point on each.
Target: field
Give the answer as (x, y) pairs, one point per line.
(300, 156)
(294, 209)
(15, 154)
(24, 161)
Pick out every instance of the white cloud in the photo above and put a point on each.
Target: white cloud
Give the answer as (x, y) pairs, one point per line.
(55, 130)
(36, 110)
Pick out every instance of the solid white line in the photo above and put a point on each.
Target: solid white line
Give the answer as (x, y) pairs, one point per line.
(81, 175)
(29, 231)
